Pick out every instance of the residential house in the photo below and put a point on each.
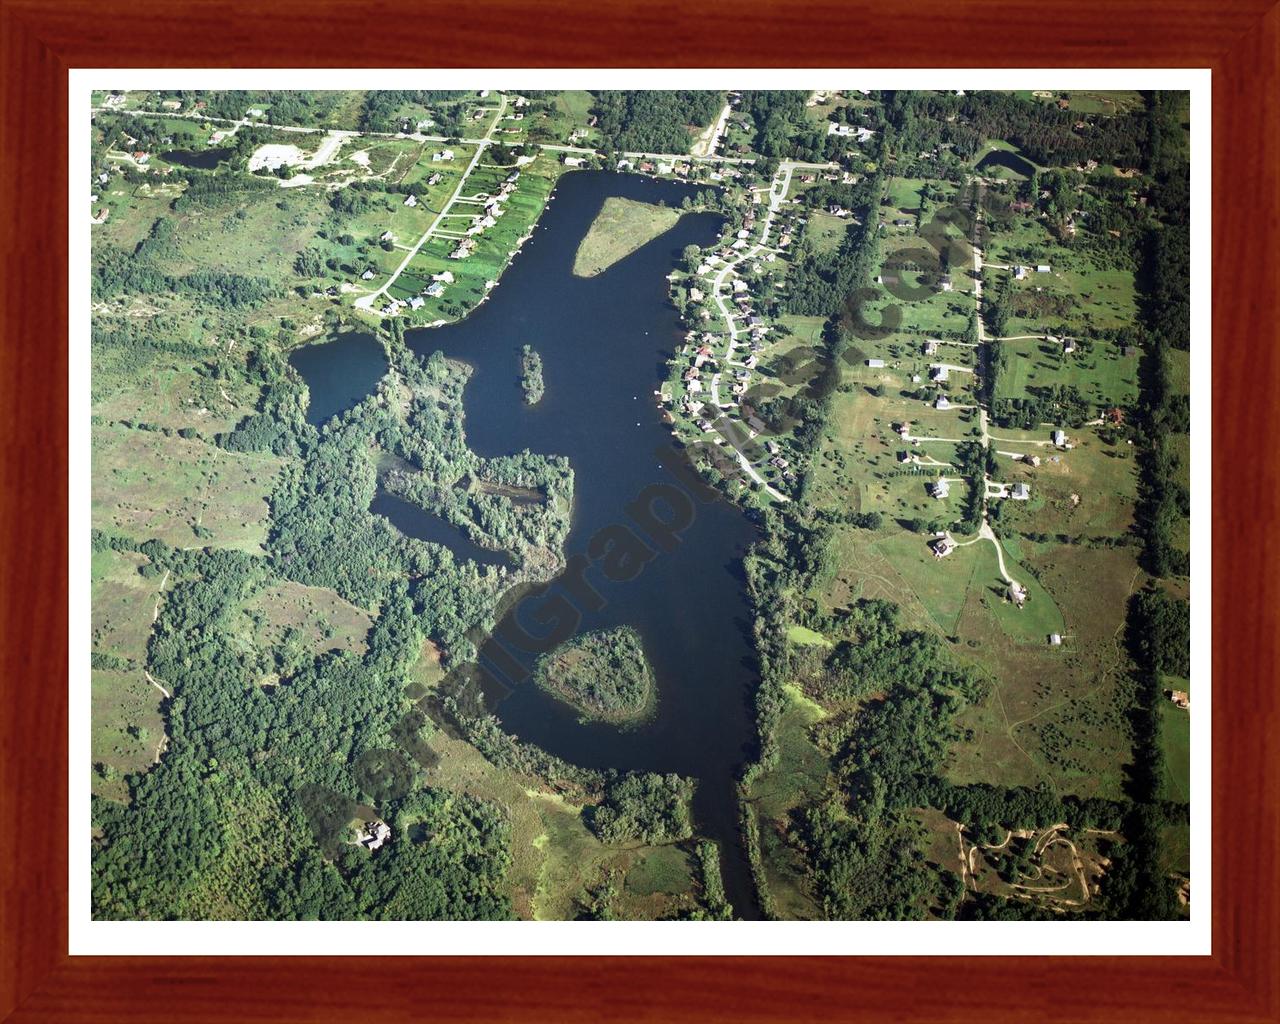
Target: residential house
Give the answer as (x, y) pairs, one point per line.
(875, 364)
(411, 201)
(940, 488)
(1020, 492)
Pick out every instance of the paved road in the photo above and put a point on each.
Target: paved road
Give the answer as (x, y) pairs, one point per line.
(777, 193)
(367, 301)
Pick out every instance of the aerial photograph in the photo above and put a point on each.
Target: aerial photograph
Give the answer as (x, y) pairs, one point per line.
(639, 505)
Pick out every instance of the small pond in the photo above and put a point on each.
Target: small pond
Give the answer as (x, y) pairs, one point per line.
(339, 373)
(1009, 161)
(200, 159)
(414, 521)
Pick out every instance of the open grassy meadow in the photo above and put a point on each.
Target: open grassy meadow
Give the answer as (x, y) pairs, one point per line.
(127, 727)
(184, 492)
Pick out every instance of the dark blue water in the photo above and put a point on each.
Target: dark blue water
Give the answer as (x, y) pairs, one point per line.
(604, 342)
(414, 521)
(203, 159)
(1008, 160)
(339, 373)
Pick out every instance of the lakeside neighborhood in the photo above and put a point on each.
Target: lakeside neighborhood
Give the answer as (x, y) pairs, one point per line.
(932, 346)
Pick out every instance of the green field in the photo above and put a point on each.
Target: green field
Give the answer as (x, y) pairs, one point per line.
(621, 227)
(800, 776)
(826, 232)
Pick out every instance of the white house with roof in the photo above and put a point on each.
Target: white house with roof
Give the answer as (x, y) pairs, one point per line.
(940, 488)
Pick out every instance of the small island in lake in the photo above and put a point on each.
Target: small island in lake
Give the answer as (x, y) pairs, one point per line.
(531, 375)
(621, 227)
(603, 674)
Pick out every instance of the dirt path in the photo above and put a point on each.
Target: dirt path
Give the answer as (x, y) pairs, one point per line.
(155, 612)
(706, 143)
(152, 680)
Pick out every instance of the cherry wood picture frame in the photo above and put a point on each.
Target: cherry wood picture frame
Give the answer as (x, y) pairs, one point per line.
(41, 39)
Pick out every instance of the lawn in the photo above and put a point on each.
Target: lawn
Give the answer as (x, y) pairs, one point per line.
(621, 227)
(1089, 492)
(826, 232)
(495, 247)
(1104, 376)
(940, 583)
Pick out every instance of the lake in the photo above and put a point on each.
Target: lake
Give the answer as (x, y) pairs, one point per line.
(604, 343)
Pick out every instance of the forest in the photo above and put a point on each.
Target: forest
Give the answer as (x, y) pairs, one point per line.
(653, 121)
(1045, 134)
(1166, 290)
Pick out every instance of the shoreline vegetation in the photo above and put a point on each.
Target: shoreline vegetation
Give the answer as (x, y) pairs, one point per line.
(531, 382)
(621, 227)
(604, 675)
